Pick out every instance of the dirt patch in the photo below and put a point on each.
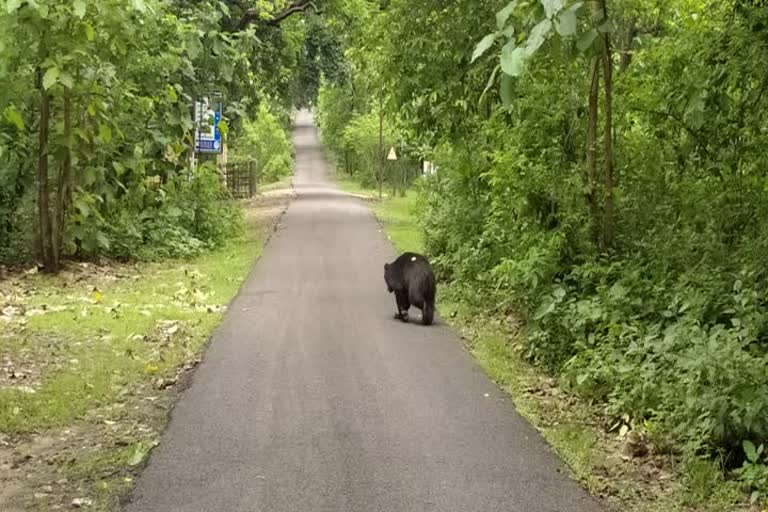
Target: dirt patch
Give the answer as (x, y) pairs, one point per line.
(86, 465)
(22, 296)
(25, 358)
(268, 205)
(72, 272)
(90, 463)
(10, 488)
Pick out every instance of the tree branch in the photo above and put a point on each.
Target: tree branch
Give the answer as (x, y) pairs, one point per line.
(251, 15)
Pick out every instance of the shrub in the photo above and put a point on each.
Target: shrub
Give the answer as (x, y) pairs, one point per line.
(180, 219)
(265, 140)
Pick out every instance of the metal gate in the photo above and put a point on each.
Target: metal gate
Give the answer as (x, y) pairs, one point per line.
(241, 179)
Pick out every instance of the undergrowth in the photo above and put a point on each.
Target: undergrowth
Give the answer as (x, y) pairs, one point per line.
(581, 427)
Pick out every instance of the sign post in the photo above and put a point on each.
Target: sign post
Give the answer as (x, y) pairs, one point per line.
(207, 119)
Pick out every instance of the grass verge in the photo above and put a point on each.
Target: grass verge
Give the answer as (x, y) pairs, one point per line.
(576, 430)
(92, 360)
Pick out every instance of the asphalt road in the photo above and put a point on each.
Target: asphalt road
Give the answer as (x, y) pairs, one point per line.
(311, 397)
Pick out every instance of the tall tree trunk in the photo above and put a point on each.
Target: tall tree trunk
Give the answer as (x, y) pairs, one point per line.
(64, 189)
(43, 209)
(381, 144)
(403, 176)
(628, 46)
(591, 175)
(609, 222)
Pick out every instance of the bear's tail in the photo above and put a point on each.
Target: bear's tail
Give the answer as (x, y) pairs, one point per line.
(428, 314)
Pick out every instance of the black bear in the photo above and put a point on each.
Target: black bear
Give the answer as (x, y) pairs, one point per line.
(411, 278)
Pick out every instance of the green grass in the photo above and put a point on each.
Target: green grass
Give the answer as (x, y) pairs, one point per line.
(349, 184)
(99, 347)
(565, 426)
(283, 182)
(105, 341)
(397, 215)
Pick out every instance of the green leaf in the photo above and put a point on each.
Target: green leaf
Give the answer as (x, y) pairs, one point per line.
(545, 308)
(753, 497)
(227, 71)
(82, 207)
(14, 117)
(102, 240)
(750, 450)
(82, 134)
(512, 59)
(66, 80)
(139, 5)
(12, 5)
(566, 26)
(89, 177)
(223, 127)
(218, 47)
(105, 132)
(483, 46)
(90, 34)
(79, 8)
(503, 15)
(552, 7)
(507, 89)
(606, 27)
(586, 40)
(50, 77)
(539, 34)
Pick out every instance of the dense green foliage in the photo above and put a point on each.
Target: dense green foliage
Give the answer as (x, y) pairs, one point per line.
(636, 260)
(96, 120)
(264, 141)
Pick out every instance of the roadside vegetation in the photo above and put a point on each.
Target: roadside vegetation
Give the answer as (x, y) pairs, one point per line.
(92, 360)
(117, 259)
(597, 198)
(612, 464)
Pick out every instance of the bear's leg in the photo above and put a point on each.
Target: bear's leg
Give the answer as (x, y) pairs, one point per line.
(403, 305)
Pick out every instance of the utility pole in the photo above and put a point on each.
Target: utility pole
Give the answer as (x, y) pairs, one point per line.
(381, 143)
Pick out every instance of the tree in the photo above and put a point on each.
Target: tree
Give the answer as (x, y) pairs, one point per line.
(559, 18)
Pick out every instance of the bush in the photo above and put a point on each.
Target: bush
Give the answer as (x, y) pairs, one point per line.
(352, 137)
(671, 329)
(180, 219)
(265, 140)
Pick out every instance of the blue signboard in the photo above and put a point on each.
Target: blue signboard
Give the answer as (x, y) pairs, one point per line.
(207, 118)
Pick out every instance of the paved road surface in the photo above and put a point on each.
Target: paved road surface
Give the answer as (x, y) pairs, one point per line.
(311, 398)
